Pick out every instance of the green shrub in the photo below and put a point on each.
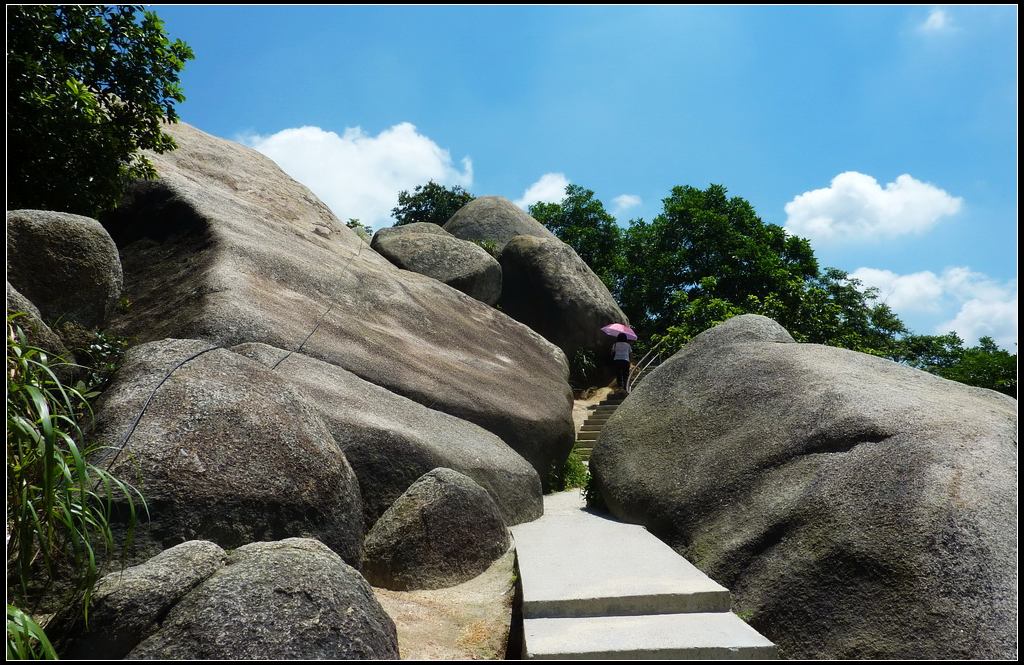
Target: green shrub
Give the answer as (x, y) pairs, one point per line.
(58, 504)
(573, 473)
(593, 495)
(582, 366)
(488, 246)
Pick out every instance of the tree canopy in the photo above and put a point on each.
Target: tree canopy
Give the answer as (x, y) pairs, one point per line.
(431, 202)
(87, 88)
(708, 257)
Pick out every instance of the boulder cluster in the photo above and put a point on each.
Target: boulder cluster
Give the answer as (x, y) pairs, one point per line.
(327, 416)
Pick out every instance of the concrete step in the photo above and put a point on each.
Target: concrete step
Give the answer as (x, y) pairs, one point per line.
(587, 436)
(592, 428)
(625, 571)
(596, 419)
(605, 409)
(719, 636)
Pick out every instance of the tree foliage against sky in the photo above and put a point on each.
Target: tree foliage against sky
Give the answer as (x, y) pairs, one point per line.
(708, 257)
(87, 88)
(431, 203)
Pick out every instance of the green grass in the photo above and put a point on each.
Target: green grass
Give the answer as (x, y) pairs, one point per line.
(59, 505)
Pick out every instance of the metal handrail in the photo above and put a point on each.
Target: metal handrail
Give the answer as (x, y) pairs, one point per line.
(642, 367)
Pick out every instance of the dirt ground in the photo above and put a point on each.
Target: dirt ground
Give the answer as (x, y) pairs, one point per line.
(466, 622)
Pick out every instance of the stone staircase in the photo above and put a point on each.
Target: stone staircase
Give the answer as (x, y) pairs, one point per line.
(590, 431)
(596, 588)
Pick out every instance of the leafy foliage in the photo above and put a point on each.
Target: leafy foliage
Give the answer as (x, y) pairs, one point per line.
(431, 203)
(87, 88)
(573, 473)
(364, 231)
(581, 222)
(59, 505)
(984, 365)
(26, 640)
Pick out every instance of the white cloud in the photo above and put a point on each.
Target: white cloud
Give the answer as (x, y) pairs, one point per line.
(938, 21)
(983, 306)
(359, 175)
(624, 202)
(549, 189)
(856, 208)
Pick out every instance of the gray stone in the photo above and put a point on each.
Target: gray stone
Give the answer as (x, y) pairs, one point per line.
(443, 531)
(37, 333)
(224, 452)
(288, 600)
(438, 254)
(128, 606)
(65, 264)
(222, 248)
(496, 219)
(547, 286)
(391, 441)
(855, 507)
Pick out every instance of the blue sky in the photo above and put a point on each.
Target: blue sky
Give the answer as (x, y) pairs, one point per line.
(888, 135)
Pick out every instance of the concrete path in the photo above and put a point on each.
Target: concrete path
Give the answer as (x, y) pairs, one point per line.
(594, 587)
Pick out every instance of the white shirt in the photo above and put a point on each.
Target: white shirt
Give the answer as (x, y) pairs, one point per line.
(621, 350)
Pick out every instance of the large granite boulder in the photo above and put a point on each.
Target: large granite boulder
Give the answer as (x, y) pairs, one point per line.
(495, 219)
(430, 250)
(224, 452)
(443, 531)
(224, 247)
(126, 607)
(391, 441)
(288, 600)
(547, 286)
(66, 264)
(857, 508)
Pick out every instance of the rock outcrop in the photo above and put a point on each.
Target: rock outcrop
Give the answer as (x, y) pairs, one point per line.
(547, 286)
(430, 250)
(224, 452)
(857, 508)
(127, 607)
(391, 441)
(496, 219)
(65, 264)
(444, 530)
(223, 248)
(288, 600)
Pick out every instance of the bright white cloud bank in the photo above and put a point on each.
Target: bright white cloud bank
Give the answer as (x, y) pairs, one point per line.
(624, 202)
(549, 189)
(986, 306)
(856, 208)
(359, 175)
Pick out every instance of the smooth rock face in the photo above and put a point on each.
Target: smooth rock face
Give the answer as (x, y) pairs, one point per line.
(65, 264)
(126, 607)
(496, 219)
(438, 254)
(293, 599)
(857, 507)
(224, 452)
(443, 531)
(391, 441)
(223, 248)
(547, 286)
(37, 333)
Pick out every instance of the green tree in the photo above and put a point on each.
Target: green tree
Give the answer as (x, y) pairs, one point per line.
(87, 88)
(431, 202)
(985, 366)
(581, 222)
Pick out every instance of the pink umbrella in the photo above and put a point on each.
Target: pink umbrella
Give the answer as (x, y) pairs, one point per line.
(614, 329)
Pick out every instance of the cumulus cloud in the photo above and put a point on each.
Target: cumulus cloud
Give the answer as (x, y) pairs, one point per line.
(983, 306)
(549, 189)
(856, 208)
(938, 21)
(359, 175)
(624, 202)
